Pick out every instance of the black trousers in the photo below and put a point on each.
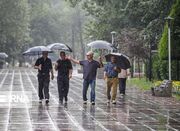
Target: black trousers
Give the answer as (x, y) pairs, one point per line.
(63, 87)
(43, 89)
(122, 85)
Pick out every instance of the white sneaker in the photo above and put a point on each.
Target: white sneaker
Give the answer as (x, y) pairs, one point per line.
(113, 102)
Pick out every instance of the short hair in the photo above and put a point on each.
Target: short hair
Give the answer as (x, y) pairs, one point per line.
(62, 52)
(45, 52)
(90, 53)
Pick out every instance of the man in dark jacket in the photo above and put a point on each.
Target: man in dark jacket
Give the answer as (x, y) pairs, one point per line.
(44, 66)
(64, 68)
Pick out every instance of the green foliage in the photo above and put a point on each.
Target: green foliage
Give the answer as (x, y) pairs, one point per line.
(163, 44)
(175, 46)
(14, 26)
(156, 67)
(142, 83)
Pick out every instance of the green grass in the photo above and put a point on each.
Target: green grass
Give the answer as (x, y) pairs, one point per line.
(142, 83)
(177, 96)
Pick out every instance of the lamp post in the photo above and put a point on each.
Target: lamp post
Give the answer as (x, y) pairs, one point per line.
(168, 19)
(113, 34)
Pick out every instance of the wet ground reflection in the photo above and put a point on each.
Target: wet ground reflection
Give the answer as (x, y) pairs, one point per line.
(136, 111)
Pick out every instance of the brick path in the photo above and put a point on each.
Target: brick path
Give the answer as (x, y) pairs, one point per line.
(137, 111)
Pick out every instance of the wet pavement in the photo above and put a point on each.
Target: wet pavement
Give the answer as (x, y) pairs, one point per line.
(137, 111)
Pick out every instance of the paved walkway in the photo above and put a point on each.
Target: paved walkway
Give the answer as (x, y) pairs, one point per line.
(137, 111)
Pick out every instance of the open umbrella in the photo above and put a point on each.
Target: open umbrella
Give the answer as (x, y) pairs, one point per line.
(36, 50)
(100, 44)
(59, 46)
(122, 60)
(3, 55)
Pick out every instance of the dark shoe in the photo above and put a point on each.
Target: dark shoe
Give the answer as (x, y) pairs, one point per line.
(92, 103)
(47, 101)
(40, 101)
(66, 99)
(61, 101)
(85, 102)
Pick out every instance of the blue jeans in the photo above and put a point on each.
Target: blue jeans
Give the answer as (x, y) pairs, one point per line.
(86, 84)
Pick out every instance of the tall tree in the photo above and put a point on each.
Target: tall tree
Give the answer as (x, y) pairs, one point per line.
(14, 27)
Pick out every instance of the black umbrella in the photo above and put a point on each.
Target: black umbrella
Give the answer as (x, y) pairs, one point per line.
(100, 44)
(59, 46)
(122, 60)
(3, 55)
(36, 50)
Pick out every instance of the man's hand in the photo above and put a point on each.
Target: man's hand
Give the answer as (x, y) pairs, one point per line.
(68, 57)
(115, 68)
(56, 66)
(39, 67)
(73, 60)
(105, 77)
(70, 76)
(100, 59)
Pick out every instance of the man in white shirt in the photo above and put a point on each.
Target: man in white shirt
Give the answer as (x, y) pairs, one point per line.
(122, 80)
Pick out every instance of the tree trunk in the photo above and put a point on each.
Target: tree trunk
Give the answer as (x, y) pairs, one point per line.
(177, 70)
(139, 69)
(81, 36)
(132, 68)
(73, 42)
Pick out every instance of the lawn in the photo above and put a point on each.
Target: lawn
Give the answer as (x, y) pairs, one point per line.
(144, 84)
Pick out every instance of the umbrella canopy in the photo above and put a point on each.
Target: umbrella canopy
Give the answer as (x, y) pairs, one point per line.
(3, 55)
(36, 50)
(100, 44)
(59, 46)
(122, 60)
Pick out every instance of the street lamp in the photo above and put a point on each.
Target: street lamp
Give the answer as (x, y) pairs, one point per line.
(113, 34)
(169, 19)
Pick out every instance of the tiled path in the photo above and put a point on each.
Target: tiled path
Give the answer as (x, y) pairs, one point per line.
(137, 111)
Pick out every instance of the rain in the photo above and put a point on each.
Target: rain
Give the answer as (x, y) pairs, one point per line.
(89, 65)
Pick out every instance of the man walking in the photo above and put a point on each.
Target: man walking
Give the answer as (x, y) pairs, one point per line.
(111, 76)
(90, 67)
(44, 66)
(64, 68)
(122, 81)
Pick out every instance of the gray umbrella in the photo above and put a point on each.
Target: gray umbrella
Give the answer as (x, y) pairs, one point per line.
(100, 44)
(59, 46)
(3, 55)
(36, 50)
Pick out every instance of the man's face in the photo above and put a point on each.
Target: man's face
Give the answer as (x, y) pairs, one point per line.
(89, 56)
(45, 54)
(63, 56)
(113, 59)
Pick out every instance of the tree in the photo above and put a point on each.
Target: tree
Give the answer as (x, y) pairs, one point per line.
(14, 27)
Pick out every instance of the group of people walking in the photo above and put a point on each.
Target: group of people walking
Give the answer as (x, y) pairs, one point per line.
(113, 76)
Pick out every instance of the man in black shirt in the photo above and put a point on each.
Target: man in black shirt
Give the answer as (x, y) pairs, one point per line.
(44, 66)
(64, 68)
